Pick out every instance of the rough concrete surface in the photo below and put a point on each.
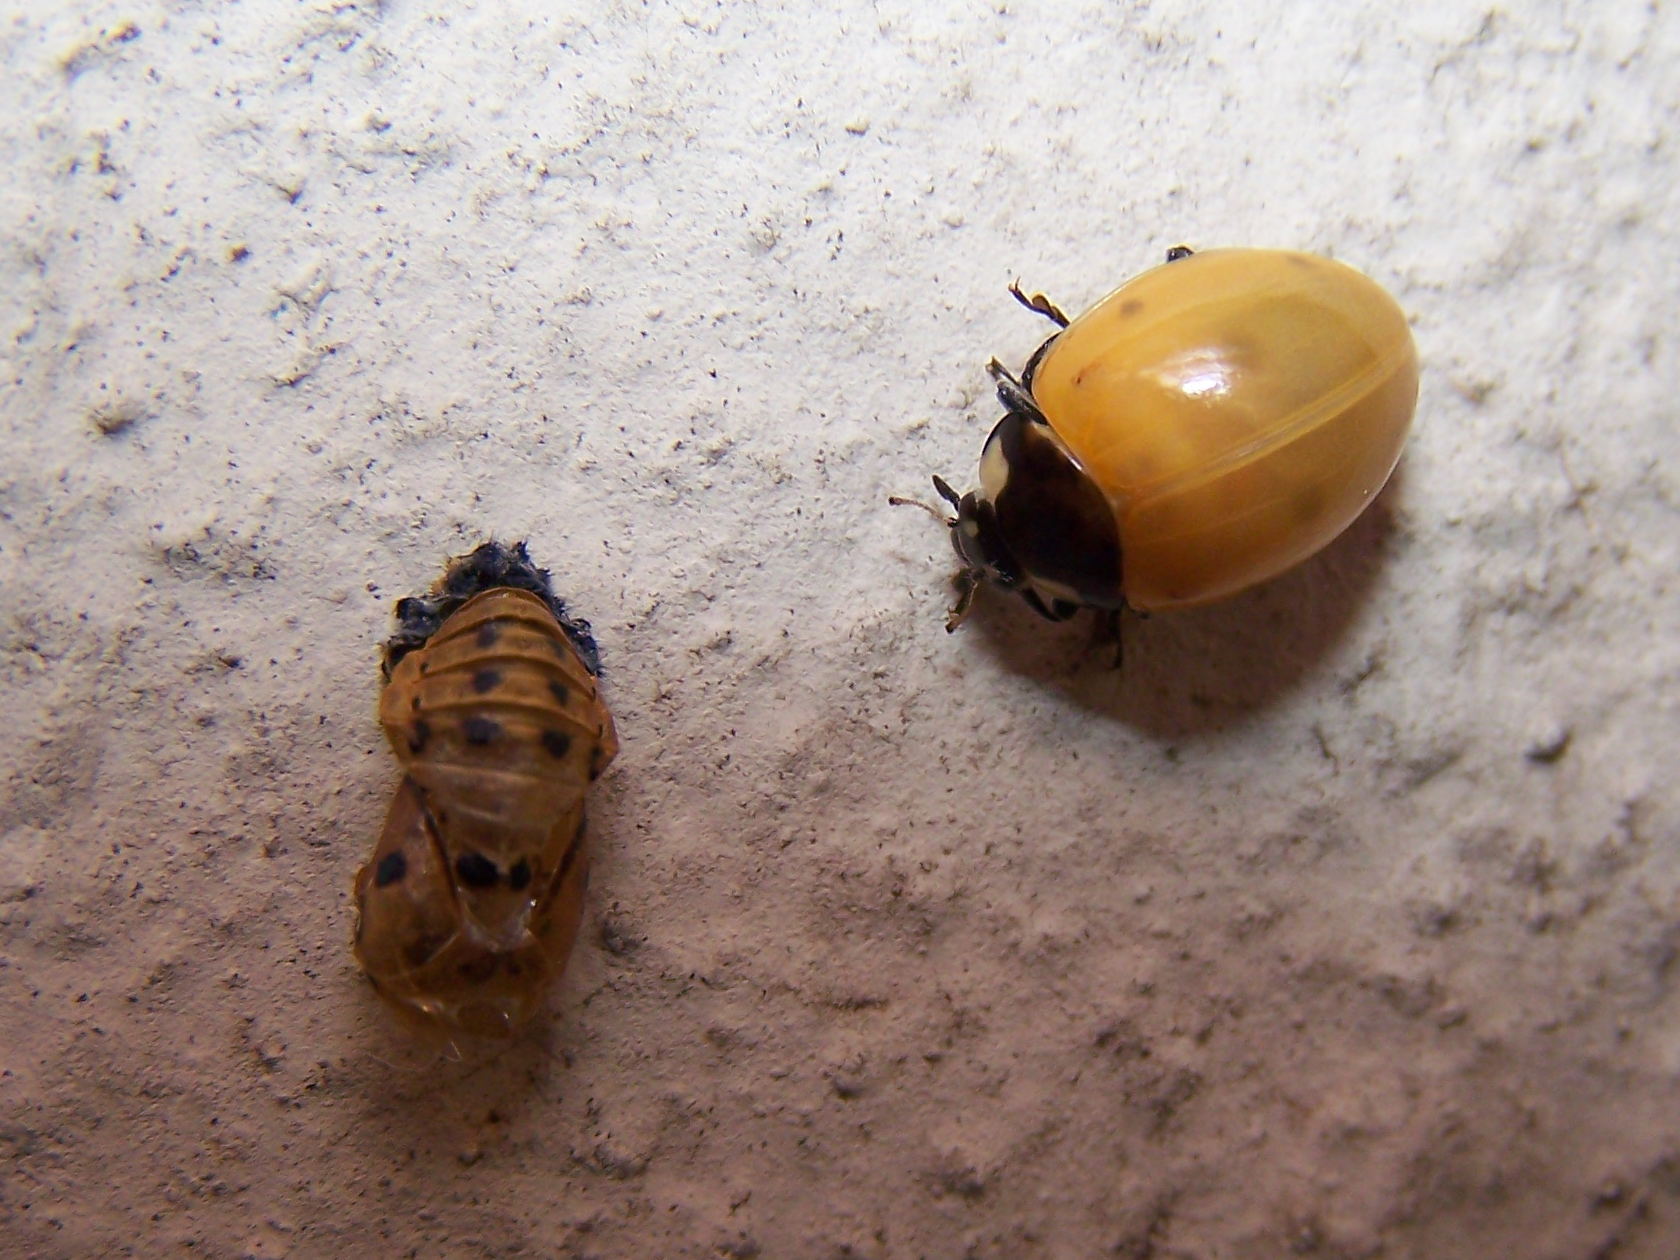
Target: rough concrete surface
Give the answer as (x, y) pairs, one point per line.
(1342, 922)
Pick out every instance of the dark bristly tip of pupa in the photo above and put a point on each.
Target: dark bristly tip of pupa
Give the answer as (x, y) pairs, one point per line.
(487, 567)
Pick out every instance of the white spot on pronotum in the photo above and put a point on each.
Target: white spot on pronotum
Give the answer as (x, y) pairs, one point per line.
(994, 470)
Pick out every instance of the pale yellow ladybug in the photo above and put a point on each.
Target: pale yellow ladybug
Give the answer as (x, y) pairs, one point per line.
(1206, 426)
(469, 905)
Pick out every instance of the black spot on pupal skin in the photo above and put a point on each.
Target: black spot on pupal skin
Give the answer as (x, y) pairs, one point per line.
(481, 730)
(488, 634)
(556, 743)
(418, 734)
(519, 874)
(486, 679)
(478, 970)
(392, 867)
(559, 692)
(595, 763)
(476, 871)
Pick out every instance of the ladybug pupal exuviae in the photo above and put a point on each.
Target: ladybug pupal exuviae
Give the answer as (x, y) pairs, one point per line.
(1206, 426)
(469, 904)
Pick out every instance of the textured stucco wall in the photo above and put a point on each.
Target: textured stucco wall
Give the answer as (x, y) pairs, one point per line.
(1342, 922)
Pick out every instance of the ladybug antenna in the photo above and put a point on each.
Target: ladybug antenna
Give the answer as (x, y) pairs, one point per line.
(945, 492)
(900, 501)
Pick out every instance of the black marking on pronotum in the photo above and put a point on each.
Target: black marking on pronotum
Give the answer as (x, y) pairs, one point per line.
(480, 730)
(486, 567)
(1049, 517)
(392, 867)
(476, 871)
(519, 874)
(486, 679)
(556, 743)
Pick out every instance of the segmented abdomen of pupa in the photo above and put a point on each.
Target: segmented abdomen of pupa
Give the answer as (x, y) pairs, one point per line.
(497, 721)
(471, 900)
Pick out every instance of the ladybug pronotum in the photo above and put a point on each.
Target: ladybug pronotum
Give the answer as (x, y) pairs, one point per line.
(1204, 427)
(469, 904)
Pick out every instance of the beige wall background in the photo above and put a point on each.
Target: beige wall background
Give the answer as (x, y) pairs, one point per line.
(1342, 922)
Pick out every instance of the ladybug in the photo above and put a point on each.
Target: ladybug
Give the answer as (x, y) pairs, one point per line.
(1209, 424)
(469, 904)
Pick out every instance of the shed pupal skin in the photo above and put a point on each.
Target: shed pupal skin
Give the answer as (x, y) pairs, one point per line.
(470, 903)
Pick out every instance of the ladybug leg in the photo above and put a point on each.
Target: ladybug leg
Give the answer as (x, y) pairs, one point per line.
(1031, 370)
(1045, 307)
(967, 582)
(1013, 394)
(1109, 627)
(1053, 610)
(1038, 302)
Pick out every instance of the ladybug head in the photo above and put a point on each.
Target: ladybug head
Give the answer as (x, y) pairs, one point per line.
(978, 540)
